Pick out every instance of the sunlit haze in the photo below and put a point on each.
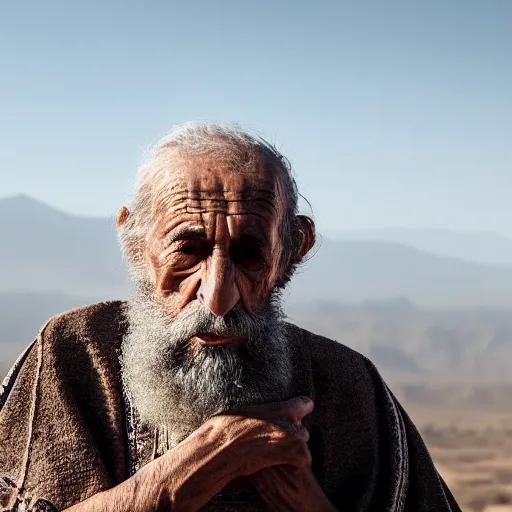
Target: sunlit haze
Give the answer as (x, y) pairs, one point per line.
(393, 113)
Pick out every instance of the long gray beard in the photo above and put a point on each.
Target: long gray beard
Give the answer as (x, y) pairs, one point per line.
(174, 384)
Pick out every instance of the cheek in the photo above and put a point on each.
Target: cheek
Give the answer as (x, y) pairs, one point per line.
(276, 270)
(176, 290)
(252, 291)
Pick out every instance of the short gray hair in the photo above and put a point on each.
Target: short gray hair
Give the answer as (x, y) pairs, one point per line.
(197, 139)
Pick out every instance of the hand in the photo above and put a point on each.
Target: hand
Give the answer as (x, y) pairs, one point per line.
(228, 446)
(289, 489)
(237, 444)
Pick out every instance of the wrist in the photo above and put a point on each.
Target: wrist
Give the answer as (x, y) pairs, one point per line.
(316, 494)
(195, 470)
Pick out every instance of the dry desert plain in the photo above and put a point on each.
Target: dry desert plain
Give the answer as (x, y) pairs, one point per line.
(468, 431)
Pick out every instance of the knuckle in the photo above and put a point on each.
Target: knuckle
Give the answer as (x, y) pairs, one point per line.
(303, 455)
(279, 433)
(304, 434)
(299, 431)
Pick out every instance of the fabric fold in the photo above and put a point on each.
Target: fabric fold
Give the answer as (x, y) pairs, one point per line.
(67, 431)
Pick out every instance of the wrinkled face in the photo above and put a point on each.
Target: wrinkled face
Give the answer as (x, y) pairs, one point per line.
(215, 237)
(207, 334)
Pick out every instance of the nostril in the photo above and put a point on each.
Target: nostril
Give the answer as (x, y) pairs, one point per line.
(200, 297)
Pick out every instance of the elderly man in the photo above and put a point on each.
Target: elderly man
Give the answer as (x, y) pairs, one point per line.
(195, 394)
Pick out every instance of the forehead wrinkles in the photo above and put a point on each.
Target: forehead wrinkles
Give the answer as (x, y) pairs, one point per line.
(222, 170)
(177, 209)
(199, 183)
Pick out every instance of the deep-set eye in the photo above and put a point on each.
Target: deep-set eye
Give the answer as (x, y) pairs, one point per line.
(188, 253)
(248, 255)
(190, 248)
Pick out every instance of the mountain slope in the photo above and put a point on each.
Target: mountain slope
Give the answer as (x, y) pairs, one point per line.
(401, 338)
(47, 250)
(355, 270)
(44, 250)
(481, 247)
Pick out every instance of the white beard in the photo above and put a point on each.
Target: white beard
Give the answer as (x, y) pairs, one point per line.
(174, 384)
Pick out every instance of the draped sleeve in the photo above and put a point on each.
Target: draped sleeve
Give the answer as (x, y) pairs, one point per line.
(62, 423)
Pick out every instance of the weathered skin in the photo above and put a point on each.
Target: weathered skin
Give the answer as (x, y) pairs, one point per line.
(215, 238)
(248, 443)
(224, 226)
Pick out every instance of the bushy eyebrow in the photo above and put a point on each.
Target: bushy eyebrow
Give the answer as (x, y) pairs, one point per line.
(189, 232)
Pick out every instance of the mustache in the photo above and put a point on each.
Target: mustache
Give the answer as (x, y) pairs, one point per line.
(197, 319)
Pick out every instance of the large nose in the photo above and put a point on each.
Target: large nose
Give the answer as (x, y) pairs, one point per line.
(218, 290)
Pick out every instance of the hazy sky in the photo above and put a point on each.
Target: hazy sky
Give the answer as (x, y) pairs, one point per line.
(393, 113)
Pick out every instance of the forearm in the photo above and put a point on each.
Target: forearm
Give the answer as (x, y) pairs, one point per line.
(182, 480)
(133, 495)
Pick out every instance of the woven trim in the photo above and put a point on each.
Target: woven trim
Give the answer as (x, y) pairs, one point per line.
(12, 374)
(402, 456)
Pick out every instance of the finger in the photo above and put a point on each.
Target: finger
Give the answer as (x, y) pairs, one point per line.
(295, 428)
(300, 407)
(296, 408)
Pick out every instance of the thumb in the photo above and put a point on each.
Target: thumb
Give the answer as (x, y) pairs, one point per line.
(300, 407)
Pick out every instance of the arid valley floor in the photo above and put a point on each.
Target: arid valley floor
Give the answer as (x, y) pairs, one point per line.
(470, 442)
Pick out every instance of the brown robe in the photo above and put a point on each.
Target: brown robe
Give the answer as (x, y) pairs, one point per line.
(67, 431)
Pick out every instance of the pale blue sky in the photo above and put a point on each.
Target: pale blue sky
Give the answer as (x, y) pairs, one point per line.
(393, 113)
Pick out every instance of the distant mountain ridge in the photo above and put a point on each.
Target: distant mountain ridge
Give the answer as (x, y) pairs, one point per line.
(401, 338)
(45, 250)
(482, 247)
(347, 290)
(358, 270)
(22, 314)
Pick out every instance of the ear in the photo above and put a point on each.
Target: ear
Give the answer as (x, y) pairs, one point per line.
(308, 236)
(122, 215)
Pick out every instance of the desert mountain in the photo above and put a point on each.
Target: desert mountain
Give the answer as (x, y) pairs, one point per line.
(23, 314)
(52, 261)
(357, 270)
(476, 246)
(403, 339)
(45, 250)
